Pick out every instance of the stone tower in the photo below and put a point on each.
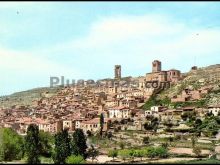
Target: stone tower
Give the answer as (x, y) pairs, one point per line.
(117, 71)
(156, 66)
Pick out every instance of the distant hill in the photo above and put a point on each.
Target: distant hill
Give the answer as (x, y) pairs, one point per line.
(26, 97)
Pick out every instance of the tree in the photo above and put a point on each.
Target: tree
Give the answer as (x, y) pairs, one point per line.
(113, 153)
(170, 139)
(89, 133)
(46, 142)
(185, 116)
(102, 120)
(32, 144)
(146, 140)
(165, 145)
(152, 125)
(78, 143)
(148, 126)
(122, 145)
(109, 135)
(155, 124)
(62, 147)
(193, 139)
(93, 153)
(73, 159)
(150, 152)
(11, 145)
(161, 152)
(197, 151)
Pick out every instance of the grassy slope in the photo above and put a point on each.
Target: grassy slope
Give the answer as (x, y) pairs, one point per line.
(25, 97)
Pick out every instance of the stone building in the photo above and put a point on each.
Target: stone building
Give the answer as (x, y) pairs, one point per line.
(157, 74)
(119, 113)
(156, 66)
(117, 71)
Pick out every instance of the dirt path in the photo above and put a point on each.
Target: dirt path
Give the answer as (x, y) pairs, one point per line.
(186, 151)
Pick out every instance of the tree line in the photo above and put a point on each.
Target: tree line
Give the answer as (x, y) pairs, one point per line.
(62, 147)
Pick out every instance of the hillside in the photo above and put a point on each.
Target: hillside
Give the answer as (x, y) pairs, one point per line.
(26, 97)
(195, 79)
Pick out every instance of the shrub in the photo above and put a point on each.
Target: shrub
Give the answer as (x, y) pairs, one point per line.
(124, 154)
(73, 159)
(197, 151)
(113, 153)
(140, 153)
(122, 145)
(160, 152)
(146, 140)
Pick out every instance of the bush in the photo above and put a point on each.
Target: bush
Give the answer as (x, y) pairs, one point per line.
(89, 133)
(165, 145)
(124, 154)
(197, 151)
(140, 153)
(160, 152)
(122, 145)
(146, 140)
(113, 153)
(73, 159)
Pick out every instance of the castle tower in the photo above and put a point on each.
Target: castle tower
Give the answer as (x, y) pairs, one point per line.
(156, 66)
(117, 71)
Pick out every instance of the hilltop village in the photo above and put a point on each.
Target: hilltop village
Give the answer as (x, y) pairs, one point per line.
(80, 106)
(133, 117)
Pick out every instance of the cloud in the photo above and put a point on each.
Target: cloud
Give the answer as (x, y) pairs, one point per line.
(30, 63)
(25, 70)
(118, 29)
(134, 41)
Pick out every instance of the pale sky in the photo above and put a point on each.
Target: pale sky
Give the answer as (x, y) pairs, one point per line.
(86, 39)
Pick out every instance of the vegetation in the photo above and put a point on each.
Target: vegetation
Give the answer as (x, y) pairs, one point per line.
(46, 142)
(93, 153)
(73, 159)
(62, 147)
(32, 144)
(124, 154)
(113, 153)
(198, 103)
(102, 120)
(197, 151)
(150, 102)
(140, 153)
(159, 152)
(150, 152)
(209, 126)
(152, 125)
(78, 143)
(11, 145)
(146, 140)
